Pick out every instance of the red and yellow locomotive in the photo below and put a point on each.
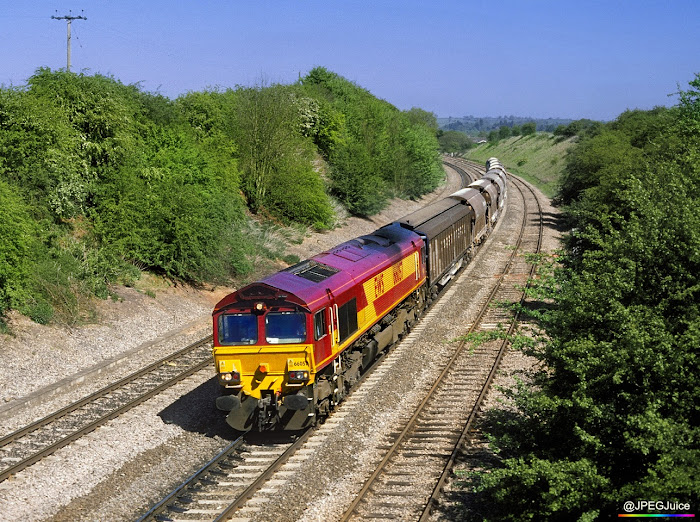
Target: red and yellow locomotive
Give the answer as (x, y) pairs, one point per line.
(280, 343)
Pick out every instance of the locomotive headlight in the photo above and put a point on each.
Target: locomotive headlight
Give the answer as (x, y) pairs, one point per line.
(296, 376)
(230, 377)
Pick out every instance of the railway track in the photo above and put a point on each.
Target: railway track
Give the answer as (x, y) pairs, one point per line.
(248, 460)
(531, 243)
(226, 483)
(237, 471)
(467, 171)
(429, 439)
(30, 444)
(407, 481)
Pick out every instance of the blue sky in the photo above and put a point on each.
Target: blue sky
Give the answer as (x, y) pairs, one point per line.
(569, 59)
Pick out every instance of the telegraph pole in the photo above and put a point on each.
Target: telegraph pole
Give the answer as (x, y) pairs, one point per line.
(68, 18)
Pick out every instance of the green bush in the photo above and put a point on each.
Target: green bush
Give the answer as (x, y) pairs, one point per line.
(362, 191)
(454, 141)
(611, 415)
(17, 237)
(379, 151)
(173, 215)
(277, 159)
(298, 194)
(529, 128)
(41, 155)
(101, 180)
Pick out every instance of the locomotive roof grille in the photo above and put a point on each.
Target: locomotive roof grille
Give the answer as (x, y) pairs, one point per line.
(312, 270)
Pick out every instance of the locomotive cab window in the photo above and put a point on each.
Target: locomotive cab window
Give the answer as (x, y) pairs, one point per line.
(320, 329)
(285, 327)
(238, 329)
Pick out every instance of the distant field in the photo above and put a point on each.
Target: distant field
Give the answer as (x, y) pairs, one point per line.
(538, 158)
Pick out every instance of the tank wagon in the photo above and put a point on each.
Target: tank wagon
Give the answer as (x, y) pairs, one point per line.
(287, 348)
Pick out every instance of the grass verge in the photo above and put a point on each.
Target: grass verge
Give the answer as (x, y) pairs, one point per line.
(538, 158)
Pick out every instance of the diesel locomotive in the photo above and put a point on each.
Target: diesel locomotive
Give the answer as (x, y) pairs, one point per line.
(287, 348)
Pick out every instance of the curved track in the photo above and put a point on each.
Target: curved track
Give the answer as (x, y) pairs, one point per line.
(30, 444)
(246, 466)
(408, 479)
(419, 453)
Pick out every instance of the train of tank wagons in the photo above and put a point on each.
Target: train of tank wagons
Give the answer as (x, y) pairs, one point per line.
(288, 348)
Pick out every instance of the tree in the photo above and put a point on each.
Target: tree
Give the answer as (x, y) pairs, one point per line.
(381, 151)
(611, 414)
(529, 128)
(17, 235)
(454, 141)
(417, 116)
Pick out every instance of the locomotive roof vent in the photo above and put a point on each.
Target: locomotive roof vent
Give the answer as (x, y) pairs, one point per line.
(312, 270)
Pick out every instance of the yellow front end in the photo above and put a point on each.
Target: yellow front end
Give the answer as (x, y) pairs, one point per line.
(266, 386)
(260, 368)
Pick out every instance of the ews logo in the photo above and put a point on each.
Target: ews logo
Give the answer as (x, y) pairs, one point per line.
(379, 285)
(396, 278)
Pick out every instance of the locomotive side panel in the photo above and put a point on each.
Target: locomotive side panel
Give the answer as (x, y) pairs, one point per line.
(370, 300)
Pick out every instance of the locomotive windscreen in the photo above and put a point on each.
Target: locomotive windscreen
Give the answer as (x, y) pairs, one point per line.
(285, 327)
(238, 329)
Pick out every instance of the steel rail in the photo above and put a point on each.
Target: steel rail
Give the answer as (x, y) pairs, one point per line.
(350, 511)
(48, 450)
(447, 471)
(243, 497)
(161, 506)
(240, 501)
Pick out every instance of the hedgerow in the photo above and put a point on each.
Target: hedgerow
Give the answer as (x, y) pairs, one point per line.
(377, 151)
(101, 180)
(612, 413)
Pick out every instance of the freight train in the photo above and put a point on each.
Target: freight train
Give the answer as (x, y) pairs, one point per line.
(288, 348)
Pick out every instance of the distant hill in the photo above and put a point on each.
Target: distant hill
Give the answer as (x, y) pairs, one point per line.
(476, 124)
(538, 158)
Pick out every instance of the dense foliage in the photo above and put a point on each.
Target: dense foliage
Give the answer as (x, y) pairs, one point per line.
(454, 141)
(612, 415)
(376, 151)
(504, 132)
(99, 180)
(577, 128)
